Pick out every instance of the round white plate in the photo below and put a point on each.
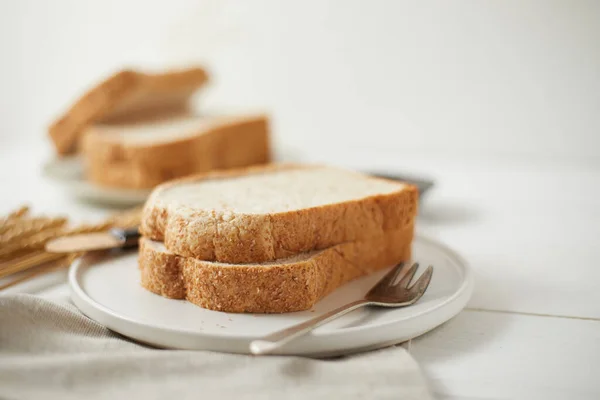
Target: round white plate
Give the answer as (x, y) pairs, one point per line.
(106, 288)
(68, 171)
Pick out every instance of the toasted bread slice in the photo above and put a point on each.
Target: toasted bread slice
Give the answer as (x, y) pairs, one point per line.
(292, 284)
(270, 212)
(141, 155)
(124, 94)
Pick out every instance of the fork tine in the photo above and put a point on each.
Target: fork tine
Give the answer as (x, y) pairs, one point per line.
(422, 283)
(405, 281)
(391, 276)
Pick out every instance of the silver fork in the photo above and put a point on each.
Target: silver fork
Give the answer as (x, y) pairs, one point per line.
(391, 291)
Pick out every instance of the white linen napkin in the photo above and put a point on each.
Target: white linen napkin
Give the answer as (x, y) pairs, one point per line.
(49, 350)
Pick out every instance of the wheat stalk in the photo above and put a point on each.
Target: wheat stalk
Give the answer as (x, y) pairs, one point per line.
(11, 217)
(22, 239)
(26, 262)
(34, 242)
(63, 262)
(18, 213)
(30, 227)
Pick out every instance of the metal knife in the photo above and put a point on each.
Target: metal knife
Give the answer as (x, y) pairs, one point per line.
(422, 184)
(115, 238)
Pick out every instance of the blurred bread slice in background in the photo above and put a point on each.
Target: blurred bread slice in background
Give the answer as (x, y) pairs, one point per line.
(127, 94)
(144, 153)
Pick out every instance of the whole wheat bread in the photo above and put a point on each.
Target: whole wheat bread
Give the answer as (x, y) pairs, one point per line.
(143, 154)
(264, 213)
(125, 94)
(292, 284)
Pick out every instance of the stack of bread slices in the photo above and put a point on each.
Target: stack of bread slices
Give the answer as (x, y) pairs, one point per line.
(271, 239)
(224, 228)
(135, 130)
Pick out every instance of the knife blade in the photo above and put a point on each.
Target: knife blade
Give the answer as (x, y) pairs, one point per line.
(112, 239)
(422, 184)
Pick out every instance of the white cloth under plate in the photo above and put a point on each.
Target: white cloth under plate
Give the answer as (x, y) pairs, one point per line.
(49, 350)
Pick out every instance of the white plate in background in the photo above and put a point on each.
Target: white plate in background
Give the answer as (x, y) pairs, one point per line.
(106, 288)
(68, 172)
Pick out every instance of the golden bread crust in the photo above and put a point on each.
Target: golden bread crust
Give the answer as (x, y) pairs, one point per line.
(124, 92)
(117, 163)
(244, 238)
(273, 288)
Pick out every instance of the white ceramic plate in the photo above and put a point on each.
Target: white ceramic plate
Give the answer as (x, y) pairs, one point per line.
(68, 171)
(106, 288)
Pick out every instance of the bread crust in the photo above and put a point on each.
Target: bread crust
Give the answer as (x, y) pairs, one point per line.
(254, 238)
(273, 288)
(126, 91)
(117, 163)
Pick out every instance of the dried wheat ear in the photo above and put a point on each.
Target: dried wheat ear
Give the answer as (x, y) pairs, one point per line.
(23, 236)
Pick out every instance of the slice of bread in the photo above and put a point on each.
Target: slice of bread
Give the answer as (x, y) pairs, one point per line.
(125, 94)
(270, 212)
(142, 155)
(292, 284)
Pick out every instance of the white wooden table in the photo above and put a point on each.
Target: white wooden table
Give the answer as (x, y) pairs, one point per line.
(529, 229)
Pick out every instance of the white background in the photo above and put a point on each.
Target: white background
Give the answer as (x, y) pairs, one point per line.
(493, 78)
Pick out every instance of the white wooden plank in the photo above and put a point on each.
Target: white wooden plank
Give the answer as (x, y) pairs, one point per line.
(529, 228)
(530, 233)
(484, 355)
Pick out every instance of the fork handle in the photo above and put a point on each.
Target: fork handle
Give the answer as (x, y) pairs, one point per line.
(277, 339)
